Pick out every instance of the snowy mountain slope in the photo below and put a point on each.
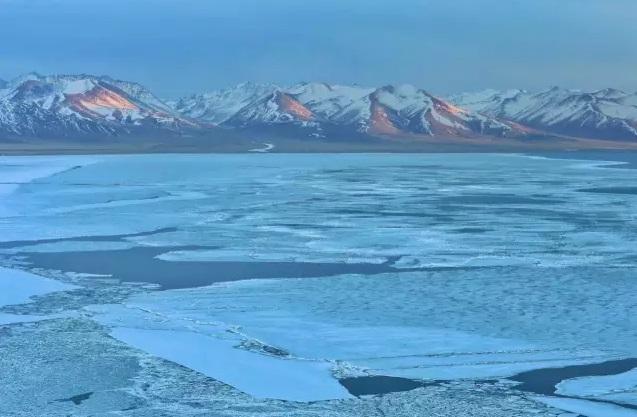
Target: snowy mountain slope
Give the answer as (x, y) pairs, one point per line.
(326, 100)
(606, 114)
(219, 106)
(275, 108)
(391, 110)
(65, 105)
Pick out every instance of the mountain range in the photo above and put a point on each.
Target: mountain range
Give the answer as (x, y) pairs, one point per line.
(603, 114)
(76, 107)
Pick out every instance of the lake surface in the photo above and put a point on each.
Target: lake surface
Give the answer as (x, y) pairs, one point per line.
(321, 284)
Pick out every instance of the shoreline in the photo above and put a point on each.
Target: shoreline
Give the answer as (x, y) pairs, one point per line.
(610, 158)
(261, 144)
(553, 153)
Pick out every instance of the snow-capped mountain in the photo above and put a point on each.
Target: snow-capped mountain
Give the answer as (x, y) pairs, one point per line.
(396, 110)
(278, 107)
(391, 110)
(604, 114)
(325, 100)
(72, 105)
(219, 106)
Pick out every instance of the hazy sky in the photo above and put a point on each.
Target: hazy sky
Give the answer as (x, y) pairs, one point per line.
(183, 46)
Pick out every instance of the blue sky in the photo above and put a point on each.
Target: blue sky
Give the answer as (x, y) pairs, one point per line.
(180, 47)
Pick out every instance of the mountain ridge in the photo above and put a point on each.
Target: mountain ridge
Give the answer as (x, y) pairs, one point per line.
(389, 110)
(599, 114)
(84, 105)
(72, 105)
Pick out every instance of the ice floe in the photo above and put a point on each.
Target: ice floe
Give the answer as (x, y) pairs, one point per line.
(620, 388)
(17, 287)
(587, 408)
(261, 376)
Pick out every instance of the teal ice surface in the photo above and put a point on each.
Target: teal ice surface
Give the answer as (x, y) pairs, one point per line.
(445, 210)
(536, 271)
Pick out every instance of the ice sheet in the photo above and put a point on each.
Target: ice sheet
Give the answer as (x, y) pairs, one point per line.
(17, 287)
(258, 375)
(520, 267)
(341, 320)
(620, 388)
(599, 385)
(587, 408)
(221, 352)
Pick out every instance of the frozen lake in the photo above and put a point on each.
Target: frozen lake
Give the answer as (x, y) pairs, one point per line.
(313, 285)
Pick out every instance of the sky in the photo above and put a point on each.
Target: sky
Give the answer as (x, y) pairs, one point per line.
(181, 47)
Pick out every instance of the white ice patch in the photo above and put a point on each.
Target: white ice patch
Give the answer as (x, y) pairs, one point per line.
(258, 375)
(17, 287)
(621, 387)
(15, 171)
(587, 408)
(267, 147)
(214, 349)
(230, 255)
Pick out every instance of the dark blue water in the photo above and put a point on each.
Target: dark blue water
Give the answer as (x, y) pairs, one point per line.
(140, 264)
(378, 385)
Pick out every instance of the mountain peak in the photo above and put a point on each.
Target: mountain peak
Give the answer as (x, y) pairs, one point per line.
(609, 93)
(218, 106)
(60, 105)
